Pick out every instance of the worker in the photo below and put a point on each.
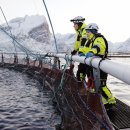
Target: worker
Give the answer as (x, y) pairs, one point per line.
(79, 27)
(97, 45)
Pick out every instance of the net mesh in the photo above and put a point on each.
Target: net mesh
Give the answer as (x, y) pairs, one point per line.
(80, 109)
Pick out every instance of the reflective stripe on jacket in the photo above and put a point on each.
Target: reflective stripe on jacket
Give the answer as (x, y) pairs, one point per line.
(81, 34)
(97, 45)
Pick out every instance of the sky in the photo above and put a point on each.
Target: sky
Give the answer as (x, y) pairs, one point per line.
(112, 16)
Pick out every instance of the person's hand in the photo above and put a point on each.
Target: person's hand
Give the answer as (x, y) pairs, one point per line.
(90, 54)
(73, 52)
(81, 54)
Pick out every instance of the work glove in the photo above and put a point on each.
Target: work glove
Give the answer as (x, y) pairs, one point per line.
(73, 52)
(90, 54)
(81, 54)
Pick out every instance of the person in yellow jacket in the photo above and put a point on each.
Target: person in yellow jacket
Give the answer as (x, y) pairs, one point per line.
(79, 27)
(97, 45)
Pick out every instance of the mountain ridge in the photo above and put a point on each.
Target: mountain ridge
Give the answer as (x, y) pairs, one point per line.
(33, 32)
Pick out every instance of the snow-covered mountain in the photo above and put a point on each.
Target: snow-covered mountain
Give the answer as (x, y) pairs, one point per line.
(122, 47)
(65, 42)
(33, 33)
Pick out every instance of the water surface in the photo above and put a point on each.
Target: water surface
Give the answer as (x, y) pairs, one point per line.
(23, 106)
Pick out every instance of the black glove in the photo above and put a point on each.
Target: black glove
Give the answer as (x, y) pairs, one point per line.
(73, 52)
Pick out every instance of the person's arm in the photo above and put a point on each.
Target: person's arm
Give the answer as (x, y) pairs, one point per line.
(98, 48)
(76, 45)
(98, 45)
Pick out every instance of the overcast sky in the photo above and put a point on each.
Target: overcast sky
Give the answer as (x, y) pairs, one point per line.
(112, 16)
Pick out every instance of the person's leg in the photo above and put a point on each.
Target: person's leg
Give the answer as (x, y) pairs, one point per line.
(81, 72)
(108, 98)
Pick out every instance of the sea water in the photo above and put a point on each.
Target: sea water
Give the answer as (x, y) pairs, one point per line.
(23, 105)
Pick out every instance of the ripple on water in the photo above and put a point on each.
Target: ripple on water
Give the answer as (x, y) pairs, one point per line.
(23, 105)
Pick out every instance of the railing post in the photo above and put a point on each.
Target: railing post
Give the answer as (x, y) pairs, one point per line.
(56, 63)
(2, 60)
(15, 59)
(34, 62)
(40, 63)
(27, 60)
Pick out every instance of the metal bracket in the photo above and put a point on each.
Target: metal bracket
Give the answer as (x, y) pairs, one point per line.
(97, 81)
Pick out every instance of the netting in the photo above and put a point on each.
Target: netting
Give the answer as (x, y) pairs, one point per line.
(80, 109)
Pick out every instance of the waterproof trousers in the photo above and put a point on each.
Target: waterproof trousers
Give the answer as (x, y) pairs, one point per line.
(81, 72)
(107, 97)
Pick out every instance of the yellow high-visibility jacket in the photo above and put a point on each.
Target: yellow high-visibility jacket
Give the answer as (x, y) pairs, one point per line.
(97, 45)
(81, 37)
